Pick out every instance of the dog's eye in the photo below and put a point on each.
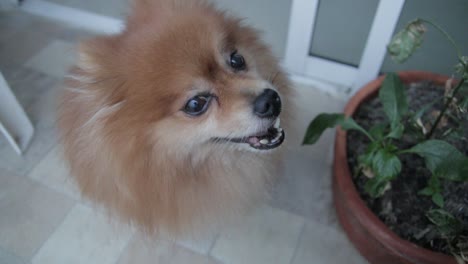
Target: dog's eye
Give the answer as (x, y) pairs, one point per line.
(237, 61)
(197, 105)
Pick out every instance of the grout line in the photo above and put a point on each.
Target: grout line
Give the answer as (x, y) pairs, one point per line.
(53, 232)
(125, 248)
(293, 258)
(13, 255)
(37, 162)
(213, 244)
(62, 193)
(28, 173)
(77, 200)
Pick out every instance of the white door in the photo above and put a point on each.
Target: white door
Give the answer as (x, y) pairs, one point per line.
(308, 57)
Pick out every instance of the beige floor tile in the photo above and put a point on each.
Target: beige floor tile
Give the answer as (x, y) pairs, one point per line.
(29, 214)
(266, 236)
(142, 251)
(23, 35)
(85, 236)
(21, 45)
(308, 102)
(27, 84)
(53, 172)
(201, 245)
(43, 117)
(322, 244)
(42, 142)
(305, 188)
(9, 258)
(37, 93)
(55, 59)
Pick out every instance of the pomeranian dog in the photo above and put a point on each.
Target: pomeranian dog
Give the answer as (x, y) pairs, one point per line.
(174, 124)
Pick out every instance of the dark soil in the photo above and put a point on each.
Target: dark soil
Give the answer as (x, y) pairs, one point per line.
(401, 208)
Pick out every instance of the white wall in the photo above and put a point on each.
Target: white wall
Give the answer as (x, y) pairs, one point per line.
(269, 16)
(436, 54)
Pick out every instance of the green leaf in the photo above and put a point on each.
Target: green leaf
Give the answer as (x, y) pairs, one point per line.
(463, 170)
(319, 124)
(438, 199)
(396, 131)
(375, 187)
(462, 67)
(455, 134)
(385, 164)
(377, 131)
(425, 108)
(442, 159)
(434, 184)
(414, 131)
(433, 189)
(407, 41)
(462, 95)
(393, 97)
(324, 121)
(365, 160)
(446, 223)
(349, 124)
(426, 191)
(453, 169)
(463, 105)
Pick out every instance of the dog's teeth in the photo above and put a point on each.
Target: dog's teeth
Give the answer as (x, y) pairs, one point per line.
(264, 141)
(277, 137)
(277, 123)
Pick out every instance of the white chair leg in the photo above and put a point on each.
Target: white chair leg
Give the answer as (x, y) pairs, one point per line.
(14, 123)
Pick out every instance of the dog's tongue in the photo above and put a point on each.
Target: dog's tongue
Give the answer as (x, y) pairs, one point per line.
(269, 139)
(254, 141)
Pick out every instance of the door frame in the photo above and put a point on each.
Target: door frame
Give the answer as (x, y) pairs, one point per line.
(301, 29)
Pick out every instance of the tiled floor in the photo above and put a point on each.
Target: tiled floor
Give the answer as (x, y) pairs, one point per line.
(44, 220)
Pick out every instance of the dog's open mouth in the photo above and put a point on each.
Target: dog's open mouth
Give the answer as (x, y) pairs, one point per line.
(272, 138)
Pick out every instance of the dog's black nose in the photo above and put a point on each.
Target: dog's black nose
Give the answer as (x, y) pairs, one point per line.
(267, 104)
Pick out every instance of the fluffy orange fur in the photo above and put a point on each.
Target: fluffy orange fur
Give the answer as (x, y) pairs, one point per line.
(129, 146)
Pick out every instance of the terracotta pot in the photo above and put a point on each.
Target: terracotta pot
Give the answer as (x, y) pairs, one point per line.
(374, 240)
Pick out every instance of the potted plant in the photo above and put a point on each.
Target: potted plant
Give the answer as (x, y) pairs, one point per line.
(400, 183)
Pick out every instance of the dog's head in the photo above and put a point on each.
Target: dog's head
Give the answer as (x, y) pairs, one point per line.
(187, 75)
(164, 122)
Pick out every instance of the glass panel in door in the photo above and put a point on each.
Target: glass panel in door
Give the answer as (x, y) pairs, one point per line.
(341, 29)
